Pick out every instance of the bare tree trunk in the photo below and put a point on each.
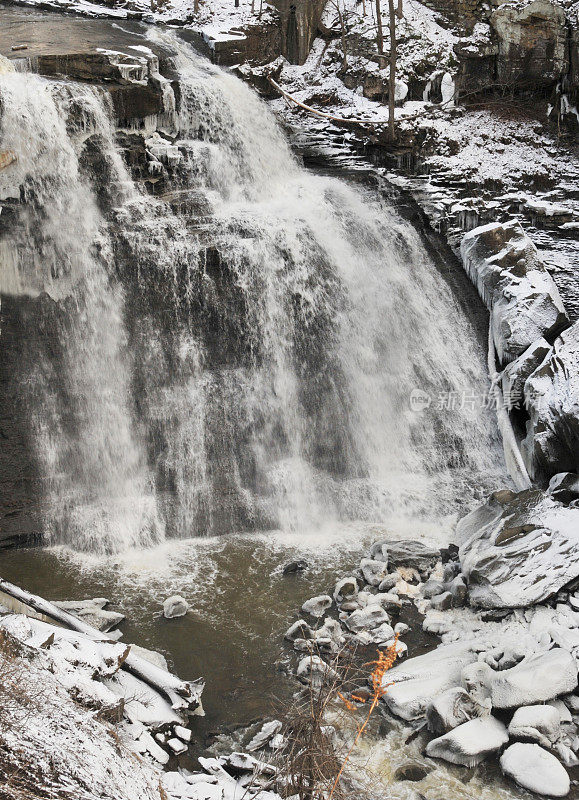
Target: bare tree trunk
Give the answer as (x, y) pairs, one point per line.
(343, 36)
(400, 9)
(236, 3)
(392, 79)
(379, 34)
(253, 6)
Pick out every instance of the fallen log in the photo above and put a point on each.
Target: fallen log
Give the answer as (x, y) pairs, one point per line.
(184, 696)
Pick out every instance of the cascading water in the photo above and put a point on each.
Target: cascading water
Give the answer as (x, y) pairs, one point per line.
(237, 353)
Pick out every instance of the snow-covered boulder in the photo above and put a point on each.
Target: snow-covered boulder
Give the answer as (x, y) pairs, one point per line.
(564, 487)
(374, 572)
(451, 709)
(535, 769)
(419, 679)
(264, 736)
(346, 588)
(367, 618)
(538, 678)
(317, 606)
(540, 724)
(298, 630)
(407, 553)
(431, 588)
(314, 669)
(93, 612)
(518, 549)
(552, 401)
(175, 606)
(388, 600)
(520, 294)
(471, 743)
(389, 582)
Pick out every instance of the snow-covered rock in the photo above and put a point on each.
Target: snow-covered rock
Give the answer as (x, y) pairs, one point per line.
(523, 299)
(451, 709)
(93, 612)
(552, 401)
(314, 669)
(367, 618)
(346, 588)
(317, 606)
(535, 769)
(538, 678)
(374, 572)
(419, 679)
(175, 606)
(264, 736)
(441, 602)
(389, 582)
(564, 487)
(298, 630)
(540, 724)
(407, 553)
(470, 743)
(516, 373)
(518, 548)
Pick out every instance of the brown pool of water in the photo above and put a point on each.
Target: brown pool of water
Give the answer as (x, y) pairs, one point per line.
(240, 607)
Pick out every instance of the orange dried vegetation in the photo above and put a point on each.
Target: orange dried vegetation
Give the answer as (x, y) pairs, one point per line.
(381, 665)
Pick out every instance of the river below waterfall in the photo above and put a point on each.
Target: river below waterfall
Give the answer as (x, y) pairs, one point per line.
(279, 369)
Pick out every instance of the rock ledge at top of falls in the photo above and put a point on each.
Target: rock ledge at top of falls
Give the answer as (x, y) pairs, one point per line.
(518, 548)
(513, 282)
(136, 87)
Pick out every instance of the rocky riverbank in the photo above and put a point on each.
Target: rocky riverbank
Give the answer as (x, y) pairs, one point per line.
(501, 685)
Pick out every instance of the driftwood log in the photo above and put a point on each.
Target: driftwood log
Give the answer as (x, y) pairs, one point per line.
(184, 696)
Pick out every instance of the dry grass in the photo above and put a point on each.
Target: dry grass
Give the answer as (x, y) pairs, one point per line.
(312, 762)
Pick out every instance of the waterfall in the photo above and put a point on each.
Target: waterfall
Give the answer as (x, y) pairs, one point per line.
(239, 352)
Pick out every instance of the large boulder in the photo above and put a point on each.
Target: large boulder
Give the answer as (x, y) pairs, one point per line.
(538, 678)
(518, 548)
(522, 297)
(411, 686)
(532, 41)
(540, 724)
(471, 743)
(451, 709)
(552, 401)
(406, 553)
(535, 769)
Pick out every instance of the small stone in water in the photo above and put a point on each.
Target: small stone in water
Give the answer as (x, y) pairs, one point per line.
(175, 606)
(295, 566)
(401, 628)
